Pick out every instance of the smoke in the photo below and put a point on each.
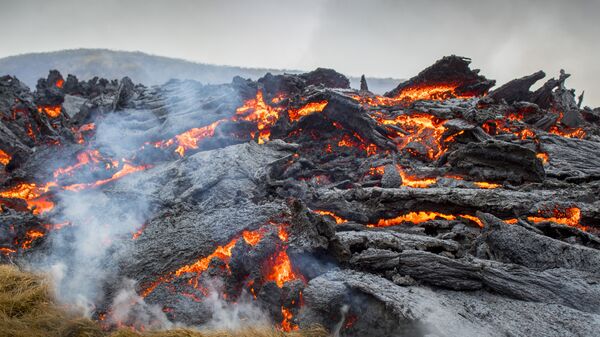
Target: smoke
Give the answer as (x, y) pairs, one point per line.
(82, 256)
(232, 316)
(129, 307)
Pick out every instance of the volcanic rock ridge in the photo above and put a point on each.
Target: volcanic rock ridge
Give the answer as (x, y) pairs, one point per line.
(440, 208)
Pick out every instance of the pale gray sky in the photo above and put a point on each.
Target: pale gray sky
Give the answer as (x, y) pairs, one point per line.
(505, 38)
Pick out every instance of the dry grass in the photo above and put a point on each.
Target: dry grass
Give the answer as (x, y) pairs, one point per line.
(27, 310)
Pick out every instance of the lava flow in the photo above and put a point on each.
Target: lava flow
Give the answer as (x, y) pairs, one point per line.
(257, 110)
(338, 219)
(422, 216)
(430, 92)
(570, 216)
(306, 110)
(4, 158)
(189, 139)
(51, 111)
(424, 129)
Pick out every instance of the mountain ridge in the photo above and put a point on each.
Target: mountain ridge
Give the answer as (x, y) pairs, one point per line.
(142, 68)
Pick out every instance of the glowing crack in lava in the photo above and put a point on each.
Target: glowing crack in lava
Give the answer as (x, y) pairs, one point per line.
(570, 216)
(50, 111)
(430, 92)
(277, 268)
(4, 158)
(59, 83)
(306, 110)
(189, 139)
(125, 170)
(424, 129)
(423, 216)
(32, 194)
(257, 110)
(338, 219)
(83, 158)
(280, 269)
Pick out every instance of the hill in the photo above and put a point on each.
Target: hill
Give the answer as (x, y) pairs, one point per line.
(140, 67)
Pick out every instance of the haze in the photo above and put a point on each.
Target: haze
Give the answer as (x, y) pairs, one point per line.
(505, 39)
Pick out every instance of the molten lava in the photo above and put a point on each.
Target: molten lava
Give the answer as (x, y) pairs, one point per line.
(286, 323)
(257, 110)
(422, 216)
(83, 158)
(430, 92)
(124, 171)
(279, 269)
(486, 185)
(31, 194)
(306, 110)
(338, 219)
(570, 216)
(50, 111)
(543, 157)
(60, 82)
(4, 158)
(424, 129)
(189, 139)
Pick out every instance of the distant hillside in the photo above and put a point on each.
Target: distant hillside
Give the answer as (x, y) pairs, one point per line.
(140, 67)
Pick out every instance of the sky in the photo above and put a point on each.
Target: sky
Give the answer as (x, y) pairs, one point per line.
(380, 38)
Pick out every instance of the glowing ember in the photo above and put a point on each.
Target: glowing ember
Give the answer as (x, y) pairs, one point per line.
(280, 269)
(543, 157)
(32, 194)
(7, 251)
(222, 253)
(286, 323)
(430, 92)
(125, 170)
(4, 158)
(575, 133)
(189, 139)
(139, 232)
(78, 132)
(257, 110)
(569, 216)
(31, 236)
(252, 237)
(338, 219)
(420, 217)
(412, 181)
(83, 158)
(483, 184)
(422, 128)
(50, 111)
(306, 110)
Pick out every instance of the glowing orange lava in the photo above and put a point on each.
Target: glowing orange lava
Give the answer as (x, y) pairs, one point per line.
(420, 217)
(4, 158)
(543, 157)
(306, 110)
(83, 158)
(422, 128)
(51, 111)
(257, 110)
(486, 185)
(430, 92)
(60, 82)
(338, 219)
(280, 269)
(124, 171)
(286, 323)
(570, 216)
(189, 139)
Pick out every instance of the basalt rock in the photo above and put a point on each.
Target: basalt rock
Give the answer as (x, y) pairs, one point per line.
(432, 211)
